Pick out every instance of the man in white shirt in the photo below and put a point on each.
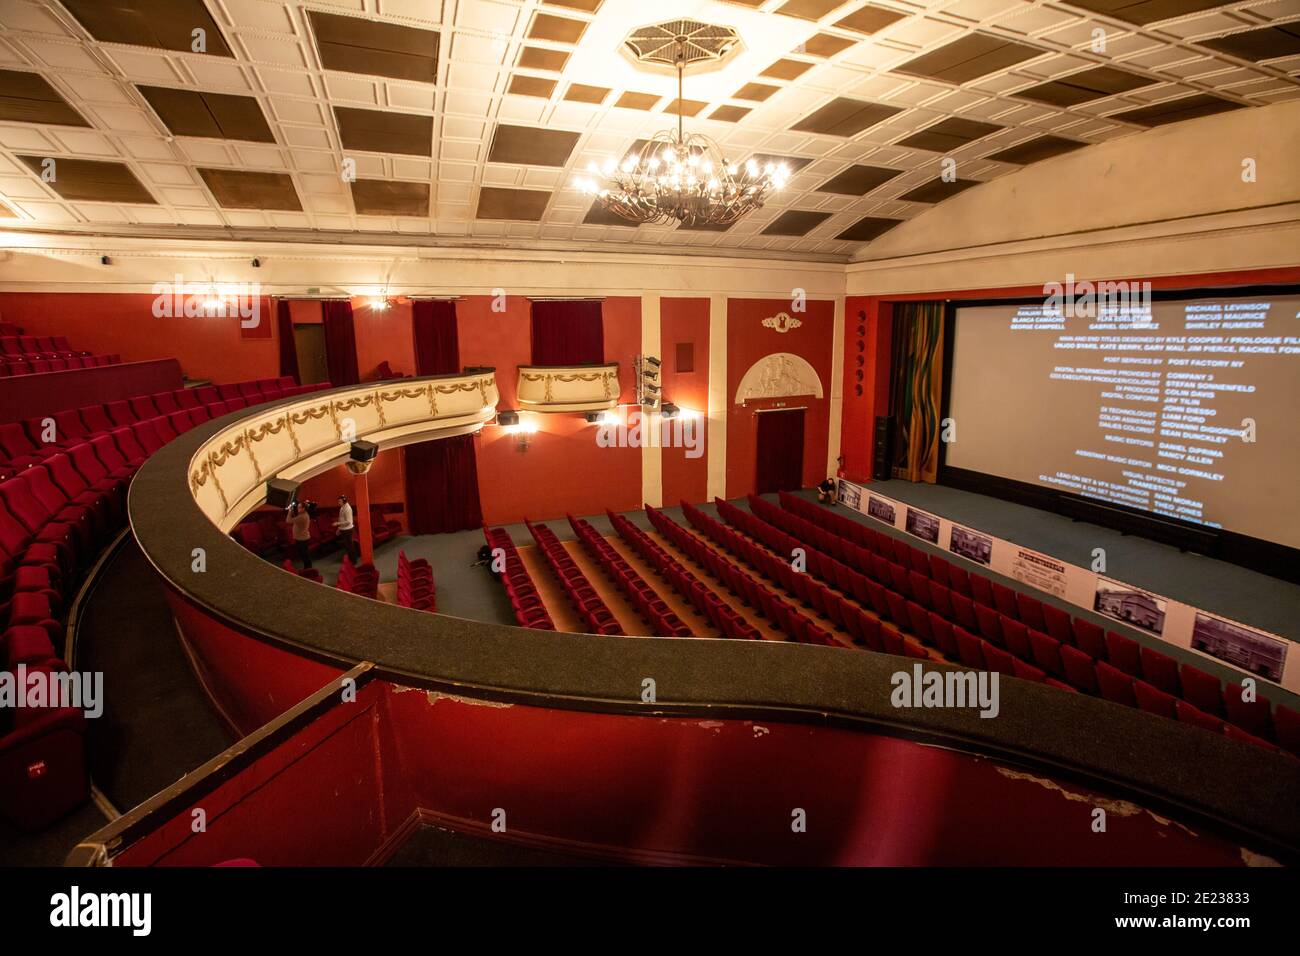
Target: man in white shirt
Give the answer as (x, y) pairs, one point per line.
(346, 528)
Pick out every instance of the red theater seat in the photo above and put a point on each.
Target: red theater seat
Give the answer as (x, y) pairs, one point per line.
(1089, 638)
(969, 648)
(1187, 714)
(1124, 653)
(1079, 669)
(1251, 716)
(1004, 601)
(1115, 685)
(1286, 723)
(1203, 690)
(1154, 701)
(1160, 670)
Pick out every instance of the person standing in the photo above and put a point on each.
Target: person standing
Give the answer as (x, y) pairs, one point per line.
(300, 523)
(346, 527)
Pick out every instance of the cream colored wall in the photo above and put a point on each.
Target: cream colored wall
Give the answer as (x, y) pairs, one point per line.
(1167, 201)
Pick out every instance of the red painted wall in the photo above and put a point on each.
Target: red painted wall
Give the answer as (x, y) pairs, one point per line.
(210, 348)
(686, 320)
(747, 342)
(562, 469)
(859, 413)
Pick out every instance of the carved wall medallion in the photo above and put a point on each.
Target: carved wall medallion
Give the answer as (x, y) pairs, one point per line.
(779, 375)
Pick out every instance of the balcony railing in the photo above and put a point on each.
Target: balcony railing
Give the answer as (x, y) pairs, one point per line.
(296, 440)
(574, 388)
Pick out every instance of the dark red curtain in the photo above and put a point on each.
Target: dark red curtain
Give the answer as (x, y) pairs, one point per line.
(437, 347)
(442, 486)
(288, 347)
(568, 333)
(340, 342)
(780, 451)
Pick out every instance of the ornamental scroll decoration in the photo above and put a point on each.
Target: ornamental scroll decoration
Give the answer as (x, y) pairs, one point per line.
(549, 378)
(782, 322)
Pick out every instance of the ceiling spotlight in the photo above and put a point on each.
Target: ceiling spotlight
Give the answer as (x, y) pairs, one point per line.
(379, 305)
(257, 263)
(507, 418)
(669, 410)
(105, 261)
(602, 418)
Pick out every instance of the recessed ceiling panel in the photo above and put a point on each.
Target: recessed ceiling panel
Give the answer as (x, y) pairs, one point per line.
(531, 146)
(29, 98)
(375, 47)
(89, 180)
(386, 131)
(846, 117)
(214, 115)
(162, 24)
(969, 58)
(241, 189)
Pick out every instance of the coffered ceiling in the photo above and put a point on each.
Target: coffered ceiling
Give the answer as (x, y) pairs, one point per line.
(466, 121)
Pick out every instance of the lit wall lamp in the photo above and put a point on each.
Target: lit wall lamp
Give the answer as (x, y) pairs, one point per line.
(602, 418)
(379, 304)
(669, 410)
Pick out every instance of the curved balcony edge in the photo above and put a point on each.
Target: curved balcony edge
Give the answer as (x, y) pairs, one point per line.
(1088, 740)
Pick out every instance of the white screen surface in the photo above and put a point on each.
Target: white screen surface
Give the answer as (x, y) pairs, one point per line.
(1144, 408)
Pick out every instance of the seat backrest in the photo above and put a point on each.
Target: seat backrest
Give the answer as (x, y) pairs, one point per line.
(980, 590)
(69, 424)
(23, 504)
(1201, 689)
(1004, 600)
(87, 462)
(1187, 714)
(165, 402)
(207, 394)
(96, 418)
(143, 407)
(1252, 716)
(68, 478)
(128, 443)
(1123, 653)
(1153, 700)
(1057, 623)
(186, 398)
(107, 452)
(1286, 723)
(1079, 669)
(44, 488)
(147, 435)
(1161, 670)
(1115, 685)
(180, 421)
(15, 442)
(120, 414)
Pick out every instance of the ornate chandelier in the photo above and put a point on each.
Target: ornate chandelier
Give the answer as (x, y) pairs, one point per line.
(675, 177)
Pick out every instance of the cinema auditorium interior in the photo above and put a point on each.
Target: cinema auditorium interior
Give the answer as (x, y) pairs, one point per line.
(784, 433)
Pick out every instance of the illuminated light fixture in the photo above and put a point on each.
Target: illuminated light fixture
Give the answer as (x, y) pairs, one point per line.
(669, 410)
(379, 304)
(675, 177)
(602, 418)
(507, 419)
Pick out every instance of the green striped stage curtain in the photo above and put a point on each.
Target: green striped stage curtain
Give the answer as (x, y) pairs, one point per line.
(917, 381)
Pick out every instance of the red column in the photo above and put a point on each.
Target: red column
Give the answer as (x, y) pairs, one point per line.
(361, 499)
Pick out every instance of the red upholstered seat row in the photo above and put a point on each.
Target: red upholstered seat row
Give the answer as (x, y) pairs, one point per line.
(766, 602)
(701, 596)
(663, 621)
(360, 579)
(524, 598)
(594, 612)
(415, 587)
(23, 444)
(1014, 629)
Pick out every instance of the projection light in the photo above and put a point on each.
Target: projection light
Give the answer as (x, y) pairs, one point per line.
(379, 305)
(602, 418)
(280, 492)
(363, 451)
(669, 410)
(507, 419)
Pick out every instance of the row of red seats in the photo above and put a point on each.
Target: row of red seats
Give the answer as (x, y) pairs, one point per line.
(26, 443)
(1074, 652)
(702, 597)
(15, 365)
(862, 626)
(360, 579)
(766, 603)
(663, 621)
(54, 518)
(8, 328)
(525, 600)
(311, 574)
(38, 346)
(589, 605)
(415, 587)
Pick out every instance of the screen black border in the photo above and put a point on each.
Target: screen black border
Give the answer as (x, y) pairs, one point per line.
(1267, 557)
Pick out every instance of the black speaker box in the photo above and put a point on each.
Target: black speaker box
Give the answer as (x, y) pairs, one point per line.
(280, 493)
(881, 458)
